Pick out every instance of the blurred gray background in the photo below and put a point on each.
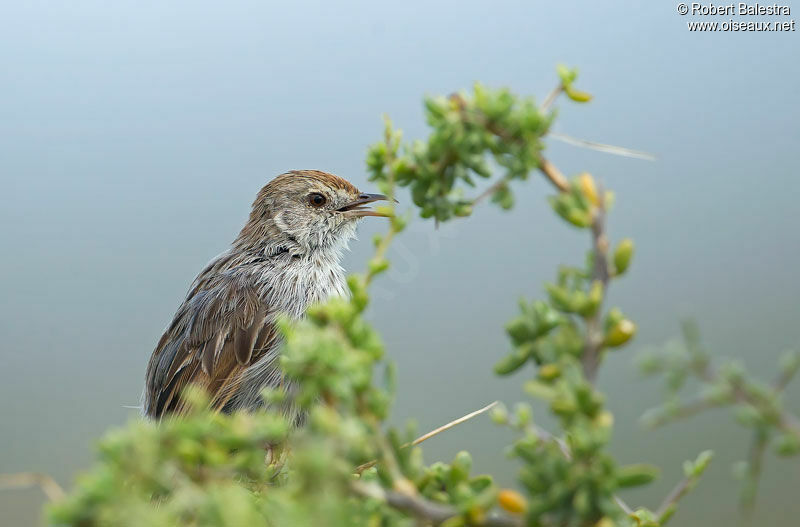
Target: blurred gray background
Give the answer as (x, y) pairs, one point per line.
(134, 136)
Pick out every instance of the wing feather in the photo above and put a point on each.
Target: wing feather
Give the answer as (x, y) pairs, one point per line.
(244, 340)
(211, 349)
(221, 328)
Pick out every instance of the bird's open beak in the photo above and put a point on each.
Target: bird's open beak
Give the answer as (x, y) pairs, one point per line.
(357, 208)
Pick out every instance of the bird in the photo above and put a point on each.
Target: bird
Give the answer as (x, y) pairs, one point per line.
(223, 337)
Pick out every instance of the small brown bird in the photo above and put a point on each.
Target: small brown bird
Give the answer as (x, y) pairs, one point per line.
(223, 337)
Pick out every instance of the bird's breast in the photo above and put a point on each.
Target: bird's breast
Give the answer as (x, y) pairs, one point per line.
(301, 282)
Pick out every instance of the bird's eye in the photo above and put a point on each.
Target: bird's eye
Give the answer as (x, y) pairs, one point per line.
(316, 199)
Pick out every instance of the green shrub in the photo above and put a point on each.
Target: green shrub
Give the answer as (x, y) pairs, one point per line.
(344, 467)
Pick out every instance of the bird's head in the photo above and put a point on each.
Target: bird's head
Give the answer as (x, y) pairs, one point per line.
(307, 211)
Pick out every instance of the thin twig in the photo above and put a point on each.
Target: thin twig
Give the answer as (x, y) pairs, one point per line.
(551, 97)
(451, 424)
(22, 480)
(418, 506)
(424, 437)
(602, 147)
(497, 185)
(547, 168)
(554, 175)
(364, 466)
(689, 409)
(622, 505)
(672, 498)
(755, 462)
(594, 333)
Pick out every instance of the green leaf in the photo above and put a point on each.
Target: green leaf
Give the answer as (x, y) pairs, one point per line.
(577, 95)
(636, 475)
(540, 390)
(567, 75)
(623, 255)
(787, 445)
(514, 361)
(702, 462)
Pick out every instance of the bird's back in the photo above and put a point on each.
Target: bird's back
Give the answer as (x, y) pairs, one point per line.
(223, 337)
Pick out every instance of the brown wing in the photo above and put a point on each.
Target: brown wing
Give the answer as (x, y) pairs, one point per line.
(221, 328)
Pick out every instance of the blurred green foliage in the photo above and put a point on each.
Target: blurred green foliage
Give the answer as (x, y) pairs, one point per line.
(345, 466)
(757, 405)
(473, 136)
